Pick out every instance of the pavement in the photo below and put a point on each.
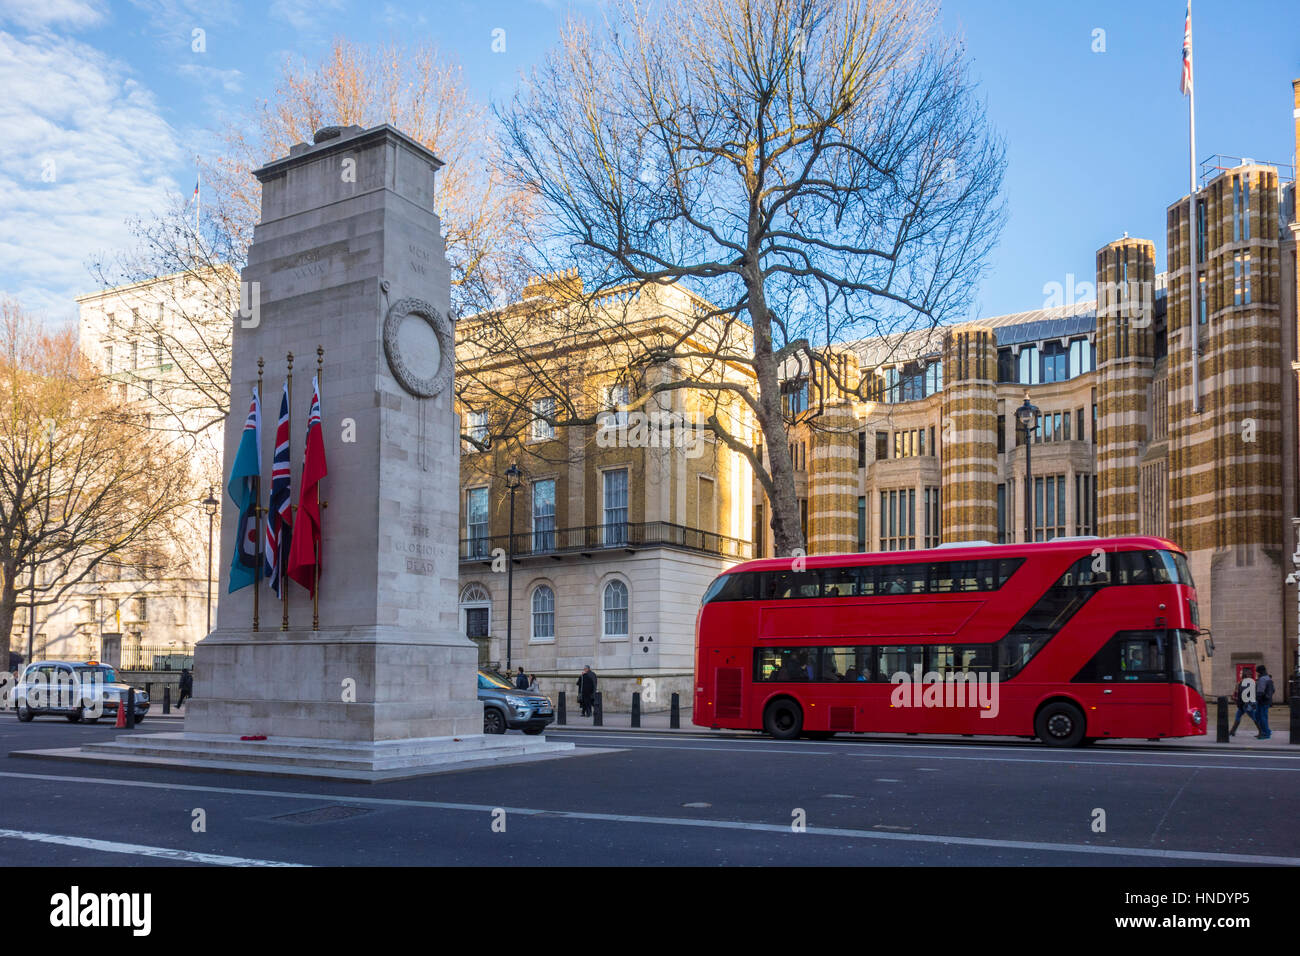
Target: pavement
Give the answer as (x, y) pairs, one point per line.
(1245, 738)
(659, 722)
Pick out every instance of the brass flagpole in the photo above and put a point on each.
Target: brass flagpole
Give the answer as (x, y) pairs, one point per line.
(284, 585)
(257, 508)
(315, 591)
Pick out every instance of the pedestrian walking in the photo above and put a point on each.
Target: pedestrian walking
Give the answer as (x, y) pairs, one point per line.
(1245, 701)
(1263, 700)
(187, 687)
(533, 685)
(587, 690)
(521, 679)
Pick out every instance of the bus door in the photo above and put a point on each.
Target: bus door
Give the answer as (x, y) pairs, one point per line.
(1136, 695)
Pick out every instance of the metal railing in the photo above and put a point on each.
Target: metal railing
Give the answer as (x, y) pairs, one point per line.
(598, 537)
(156, 658)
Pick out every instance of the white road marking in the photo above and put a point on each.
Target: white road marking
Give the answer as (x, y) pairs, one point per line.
(892, 747)
(1206, 856)
(1070, 761)
(136, 849)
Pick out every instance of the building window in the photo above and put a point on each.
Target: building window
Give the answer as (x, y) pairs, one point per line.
(476, 521)
(108, 360)
(794, 397)
(1002, 514)
(141, 609)
(1002, 434)
(477, 607)
(932, 514)
(862, 449)
(882, 446)
(1203, 296)
(543, 417)
(616, 402)
(1029, 365)
(543, 614)
(1078, 424)
(1085, 504)
(909, 443)
(476, 423)
(862, 523)
(544, 515)
(1055, 362)
(898, 520)
(759, 532)
(1006, 366)
(1081, 357)
(615, 510)
(1049, 507)
(615, 610)
(803, 518)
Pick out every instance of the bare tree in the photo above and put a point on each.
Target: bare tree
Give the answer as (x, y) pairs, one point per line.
(818, 170)
(82, 482)
(424, 94)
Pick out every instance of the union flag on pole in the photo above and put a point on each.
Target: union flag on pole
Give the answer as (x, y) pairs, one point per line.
(279, 519)
(1186, 84)
(305, 551)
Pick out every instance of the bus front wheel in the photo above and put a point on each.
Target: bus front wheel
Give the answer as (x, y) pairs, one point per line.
(1060, 724)
(783, 719)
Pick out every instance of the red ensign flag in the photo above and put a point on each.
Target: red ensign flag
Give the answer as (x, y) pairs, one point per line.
(305, 551)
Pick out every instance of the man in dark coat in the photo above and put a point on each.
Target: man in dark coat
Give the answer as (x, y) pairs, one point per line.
(587, 690)
(521, 679)
(187, 687)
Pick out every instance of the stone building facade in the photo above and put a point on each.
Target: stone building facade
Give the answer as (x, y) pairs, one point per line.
(1128, 441)
(621, 523)
(146, 611)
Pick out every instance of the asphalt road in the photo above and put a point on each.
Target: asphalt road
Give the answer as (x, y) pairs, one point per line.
(658, 799)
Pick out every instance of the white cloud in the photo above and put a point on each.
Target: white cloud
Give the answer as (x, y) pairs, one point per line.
(230, 81)
(38, 14)
(304, 15)
(85, 150)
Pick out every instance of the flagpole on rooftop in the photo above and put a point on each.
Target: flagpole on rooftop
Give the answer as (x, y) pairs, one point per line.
(1189, 88)
(282, 557)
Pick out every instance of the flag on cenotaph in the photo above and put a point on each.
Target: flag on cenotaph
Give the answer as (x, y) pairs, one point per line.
(305, 553)
(244, 488)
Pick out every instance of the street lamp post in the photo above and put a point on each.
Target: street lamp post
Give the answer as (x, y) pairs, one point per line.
(31, 616)
(1027, 416)
(513, 477)
(210, 506)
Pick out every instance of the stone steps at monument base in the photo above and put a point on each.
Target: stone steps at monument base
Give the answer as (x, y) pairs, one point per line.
(440, 752)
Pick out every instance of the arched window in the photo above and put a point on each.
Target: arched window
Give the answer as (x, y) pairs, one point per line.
(475, 611)
(543, 614)
(615, 609)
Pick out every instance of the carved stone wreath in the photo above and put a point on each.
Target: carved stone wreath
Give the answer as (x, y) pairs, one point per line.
(419, 386)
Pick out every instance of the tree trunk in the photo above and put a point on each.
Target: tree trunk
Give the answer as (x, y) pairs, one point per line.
(8, 605)
(787, 532)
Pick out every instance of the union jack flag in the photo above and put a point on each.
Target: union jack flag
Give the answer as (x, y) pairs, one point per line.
(279, 521)
(1186, 84)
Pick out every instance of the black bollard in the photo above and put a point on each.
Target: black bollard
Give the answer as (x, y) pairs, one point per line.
(130, 708)
(598, 712)
(167, 700)
(1221, 735)
(636, 708)
(560, 716)
(675, 715)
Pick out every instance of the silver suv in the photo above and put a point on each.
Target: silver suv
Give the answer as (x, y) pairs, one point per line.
(82, 691)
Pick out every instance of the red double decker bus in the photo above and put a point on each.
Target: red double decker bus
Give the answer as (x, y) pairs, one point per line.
(1069, 641)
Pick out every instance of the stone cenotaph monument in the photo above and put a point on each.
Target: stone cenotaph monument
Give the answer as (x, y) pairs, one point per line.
(348, 257)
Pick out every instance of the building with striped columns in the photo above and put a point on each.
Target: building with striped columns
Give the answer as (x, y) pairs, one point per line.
(1153, 420)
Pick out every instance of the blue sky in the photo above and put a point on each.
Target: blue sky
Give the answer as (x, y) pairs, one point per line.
(107, 103)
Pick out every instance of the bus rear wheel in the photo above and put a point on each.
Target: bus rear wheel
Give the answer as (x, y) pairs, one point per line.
(783, 719)
(1060, 724)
